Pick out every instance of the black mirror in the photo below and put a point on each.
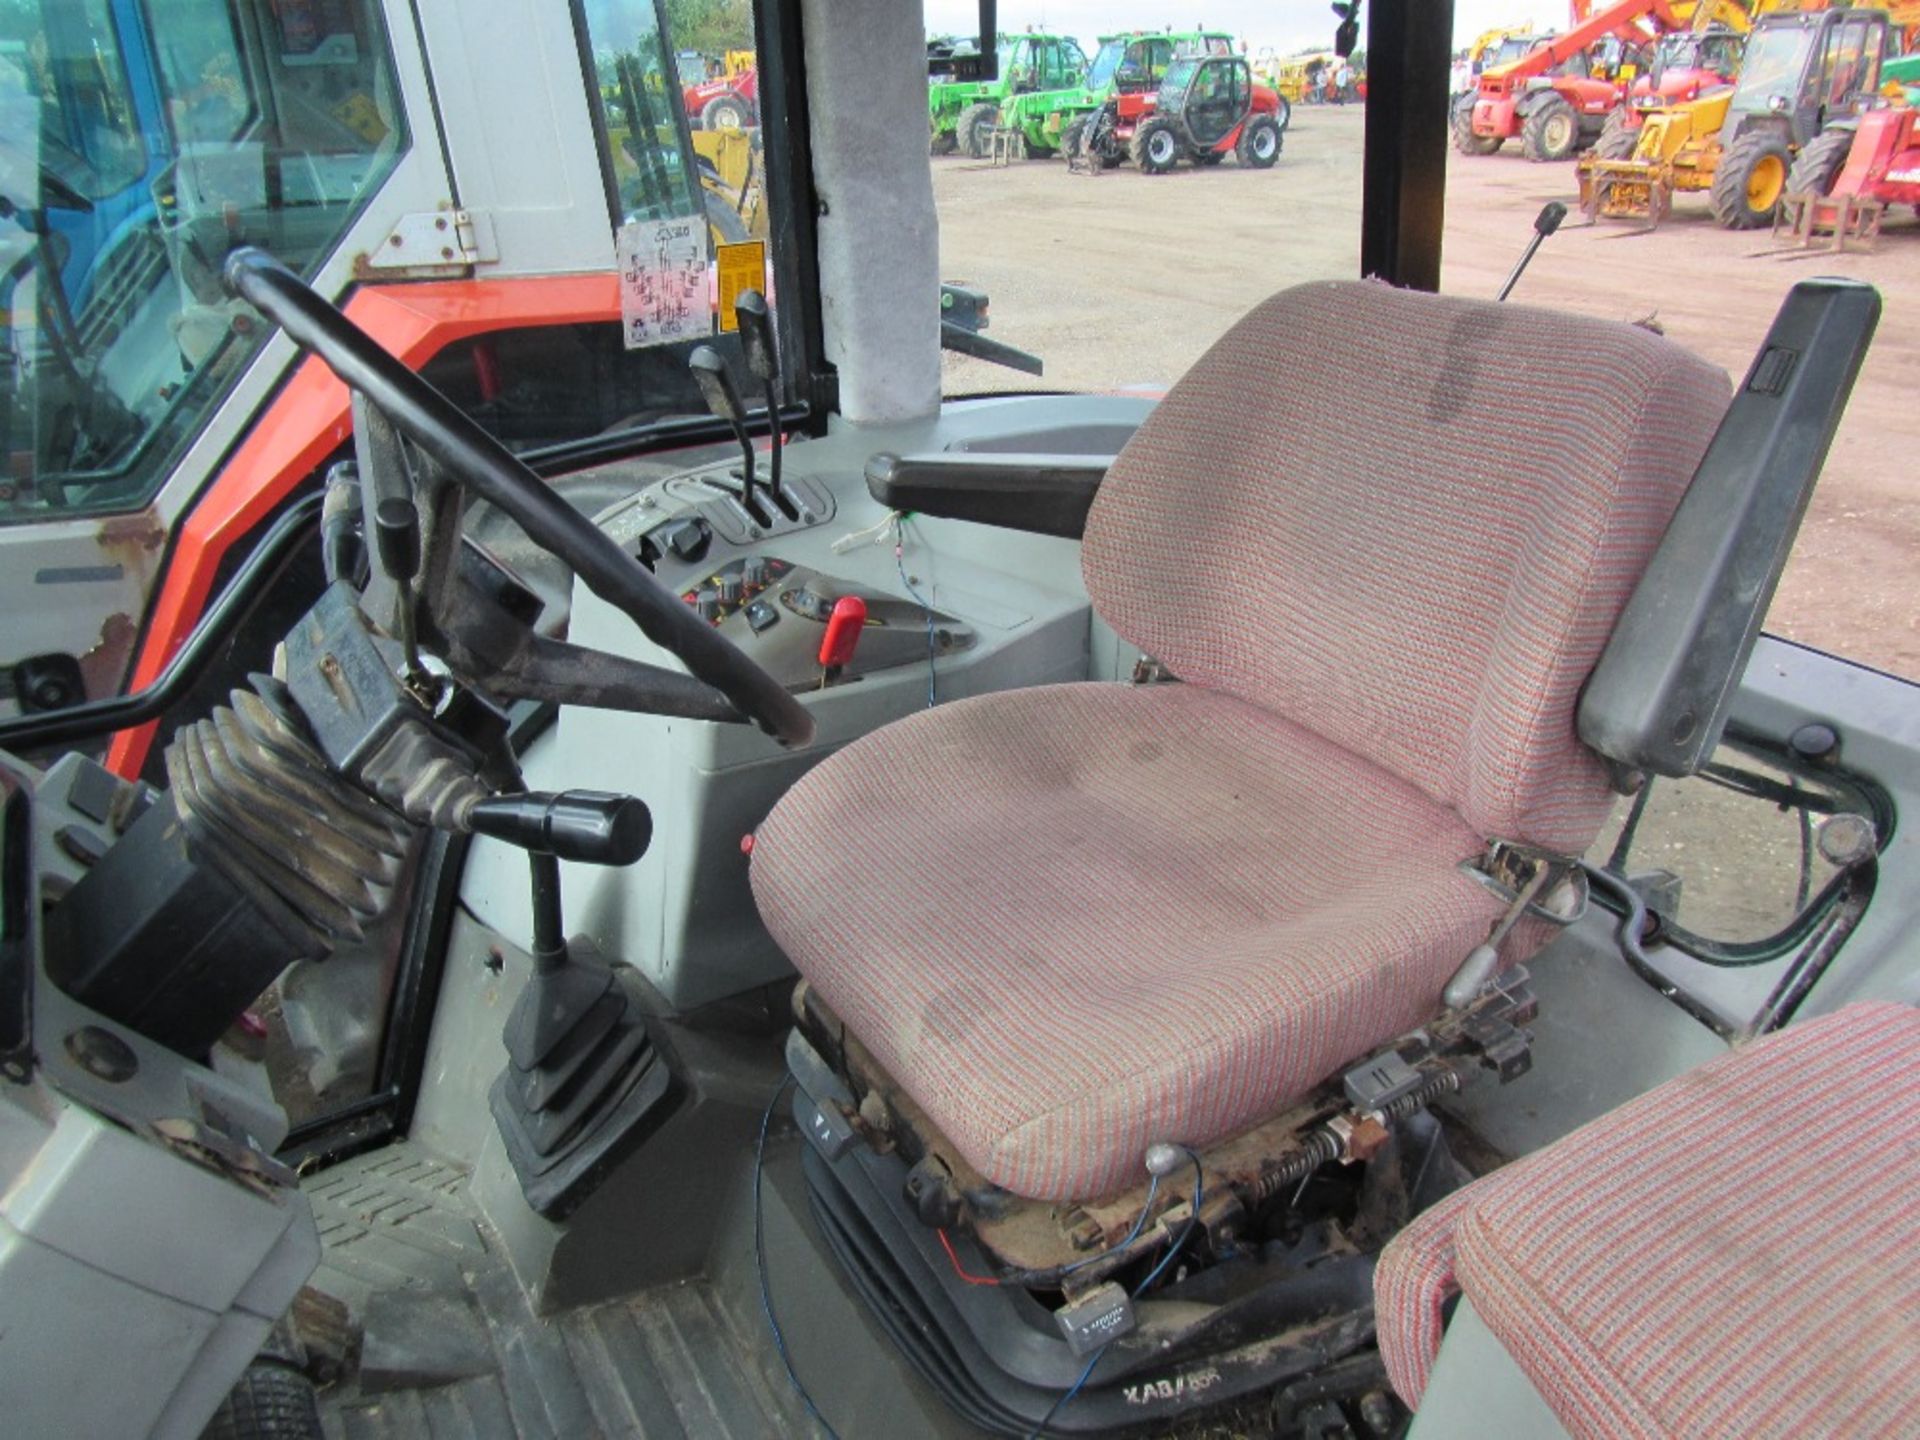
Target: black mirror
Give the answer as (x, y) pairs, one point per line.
(1346, 35)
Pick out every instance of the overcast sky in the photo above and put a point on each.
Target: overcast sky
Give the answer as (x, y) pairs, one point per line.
(1284, 24)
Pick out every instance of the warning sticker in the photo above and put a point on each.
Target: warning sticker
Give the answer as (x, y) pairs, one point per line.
(663, 280)
(742, 267)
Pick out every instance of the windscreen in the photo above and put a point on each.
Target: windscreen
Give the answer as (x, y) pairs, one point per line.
(1773, 69)
(142, 140)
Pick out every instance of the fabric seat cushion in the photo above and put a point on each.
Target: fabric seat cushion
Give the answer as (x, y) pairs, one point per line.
(1733, 1253)
(1078, 919)
(1416, 519)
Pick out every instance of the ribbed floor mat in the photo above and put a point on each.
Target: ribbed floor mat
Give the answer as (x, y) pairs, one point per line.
(662, 1364)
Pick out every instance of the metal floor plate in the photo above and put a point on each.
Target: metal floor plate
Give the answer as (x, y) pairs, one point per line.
(452, 1349)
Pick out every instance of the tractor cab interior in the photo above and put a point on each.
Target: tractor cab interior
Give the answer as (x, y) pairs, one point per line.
(1025, 914)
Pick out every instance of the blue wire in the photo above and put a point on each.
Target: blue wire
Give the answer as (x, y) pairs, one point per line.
(1186, 1233)
(760, 1263)
(1153, 1187)
(1061, 1403)
(900, 563)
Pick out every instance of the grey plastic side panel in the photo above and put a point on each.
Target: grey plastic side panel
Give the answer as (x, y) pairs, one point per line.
(1659, 697)
(1477, 1391)
(135, 1329)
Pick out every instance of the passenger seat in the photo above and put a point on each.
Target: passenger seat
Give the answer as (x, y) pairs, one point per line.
(1736, 1252)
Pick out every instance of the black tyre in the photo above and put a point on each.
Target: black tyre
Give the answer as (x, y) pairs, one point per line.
(976, 124)
(945, 143)
(723, 220)
(1749, 180)
(1073, 140)
(1464, 140)
(1156, 146)
(1616, 143)
(726, 112)
(1259, 145)
(1284, 116)
(1551, 131)
(1817, 166)
(270, 1402)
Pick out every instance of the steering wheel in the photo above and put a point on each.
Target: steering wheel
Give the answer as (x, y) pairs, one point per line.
(474, 459)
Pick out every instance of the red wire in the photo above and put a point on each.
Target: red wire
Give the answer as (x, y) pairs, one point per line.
(958, 1269)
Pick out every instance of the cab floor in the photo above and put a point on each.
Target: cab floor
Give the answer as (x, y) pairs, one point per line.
(450, 1347)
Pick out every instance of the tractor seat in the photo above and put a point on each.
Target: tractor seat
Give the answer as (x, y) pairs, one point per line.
(1381, 537)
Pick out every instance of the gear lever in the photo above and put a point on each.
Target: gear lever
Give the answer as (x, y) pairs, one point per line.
(763, 360)
(716, 387)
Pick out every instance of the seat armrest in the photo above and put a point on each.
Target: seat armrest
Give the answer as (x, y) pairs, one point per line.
(1044, 494)
(1658, 699)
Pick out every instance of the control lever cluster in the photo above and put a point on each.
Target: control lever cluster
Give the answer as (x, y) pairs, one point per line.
(772, 505)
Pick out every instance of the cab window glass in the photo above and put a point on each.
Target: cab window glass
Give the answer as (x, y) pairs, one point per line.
(202, 73)
(673, 150)
(143, 142)
(1684, 194)
(1113, 277)
(64, 60)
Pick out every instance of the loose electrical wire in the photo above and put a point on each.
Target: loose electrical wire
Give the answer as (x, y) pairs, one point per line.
(1034, 1278)
(900, 563)
(760, 1264)
(1186, 1233)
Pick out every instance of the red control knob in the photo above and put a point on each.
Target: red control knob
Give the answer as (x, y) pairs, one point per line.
(843, 631)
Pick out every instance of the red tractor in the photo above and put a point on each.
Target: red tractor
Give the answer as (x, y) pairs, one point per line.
(1845, 178)
(1558, 96)
(1207, 108)
(1684, 65)
(726, 102)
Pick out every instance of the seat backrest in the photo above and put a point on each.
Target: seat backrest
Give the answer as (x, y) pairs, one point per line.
(1408, 522)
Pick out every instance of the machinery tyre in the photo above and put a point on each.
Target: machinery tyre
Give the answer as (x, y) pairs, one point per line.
(1073, 140)
(1749, 181)
(725, 112)
(976, 123)
(1464, 140)
(1260, 142)
(1818, 165)
(945, 143)
(1613, 134)
(722, 219)
(1156, 146)
(1551, 131)
(270, 1402)
(1284, 116)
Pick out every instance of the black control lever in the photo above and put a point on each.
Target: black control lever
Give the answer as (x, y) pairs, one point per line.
(1544, 224)
(594, 826)
(716, 387)
(396, 546)
(763, 360)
